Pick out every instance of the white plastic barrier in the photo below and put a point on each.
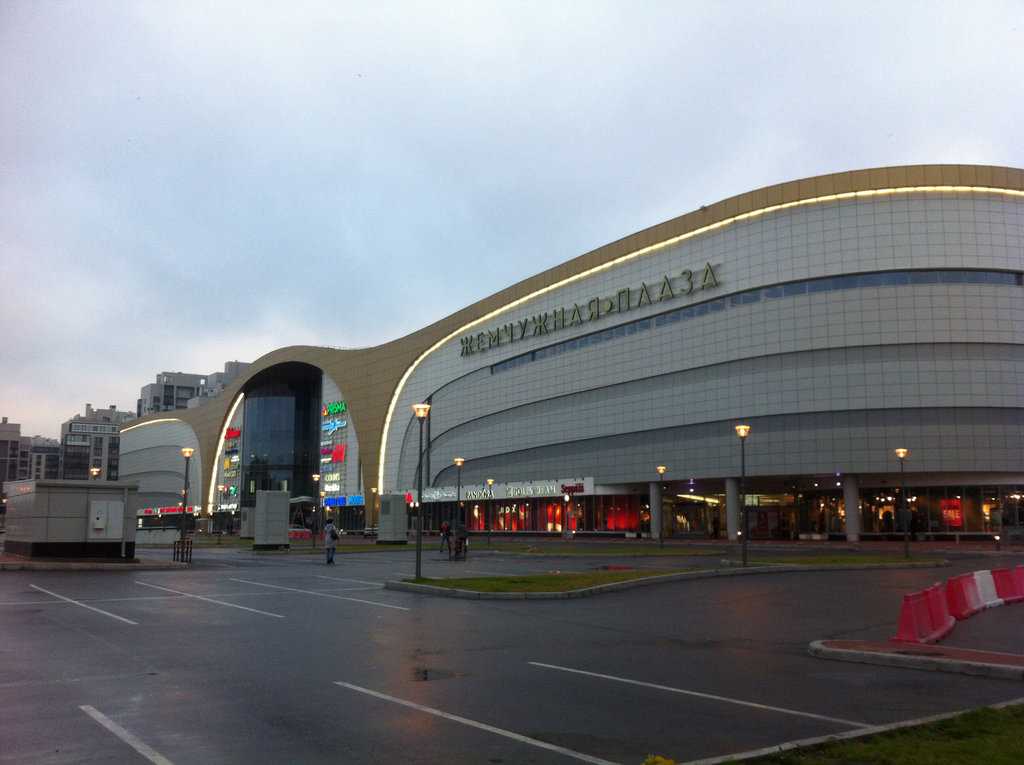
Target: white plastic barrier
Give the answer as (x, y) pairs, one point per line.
(987, 589)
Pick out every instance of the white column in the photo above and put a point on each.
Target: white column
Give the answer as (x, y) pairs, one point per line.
(732, 507)
(655, 494)
(851, 499)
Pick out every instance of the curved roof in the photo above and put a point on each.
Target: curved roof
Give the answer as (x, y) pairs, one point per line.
(371, 379)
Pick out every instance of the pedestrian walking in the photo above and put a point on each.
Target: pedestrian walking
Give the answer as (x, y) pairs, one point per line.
(446, 536)
(330, 541)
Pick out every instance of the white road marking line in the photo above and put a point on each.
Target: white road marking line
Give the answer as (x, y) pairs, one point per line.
(700, 695)
(210, 600)
(142, 748)
(482, 726)
(83, 605)
(347, 579)
(321, 594)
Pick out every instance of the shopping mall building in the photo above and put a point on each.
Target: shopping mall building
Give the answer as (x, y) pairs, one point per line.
(841, 317)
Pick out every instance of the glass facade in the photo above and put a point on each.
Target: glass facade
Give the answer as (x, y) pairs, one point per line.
(280, 441)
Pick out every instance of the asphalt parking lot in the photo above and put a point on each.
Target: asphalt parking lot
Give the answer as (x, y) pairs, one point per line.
(248, 658)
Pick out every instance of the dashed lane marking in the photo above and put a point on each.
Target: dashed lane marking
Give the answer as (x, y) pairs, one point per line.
(210, 600)
(321, 594)
(699, 695)
(133, 741)
(479, 725)
(83, 605)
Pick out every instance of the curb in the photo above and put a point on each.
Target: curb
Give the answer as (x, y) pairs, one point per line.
(31, 565)
(587, 592)
(857, 567)
(912, 661)
(873, 730)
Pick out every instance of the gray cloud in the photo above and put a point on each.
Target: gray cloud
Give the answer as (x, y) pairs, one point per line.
(183, 184)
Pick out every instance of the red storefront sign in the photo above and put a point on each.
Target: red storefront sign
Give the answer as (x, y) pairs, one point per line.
(233, 433)
(338, 454)
(952, 512)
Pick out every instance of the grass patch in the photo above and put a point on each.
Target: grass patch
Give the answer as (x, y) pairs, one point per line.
(852, 559)
(555, 582)
(591, 548)
(982, 737)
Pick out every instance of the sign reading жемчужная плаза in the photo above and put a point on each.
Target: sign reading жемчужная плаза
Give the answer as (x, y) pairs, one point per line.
(626, 299)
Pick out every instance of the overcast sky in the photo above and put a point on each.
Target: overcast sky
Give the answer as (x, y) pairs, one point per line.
(186, 183)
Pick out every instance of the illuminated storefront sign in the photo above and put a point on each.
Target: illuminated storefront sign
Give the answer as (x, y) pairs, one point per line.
(232, 433)
(625, 300)
(332, 486)
(952, 512)
(228, 506)
(519, 490)
(333, 408)
(335, 502)
(356, 499)
(338, 454)
(330, 426)
(326, 449)
(331, 477)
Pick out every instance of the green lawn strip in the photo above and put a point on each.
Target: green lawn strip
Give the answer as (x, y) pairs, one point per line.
(587, 548)
(982, 737)
(555, 582)
(852, 559)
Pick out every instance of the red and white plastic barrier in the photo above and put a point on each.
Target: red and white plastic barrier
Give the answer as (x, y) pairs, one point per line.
(987, 589)
(931, 614)
(962, 596)
(1007, 584)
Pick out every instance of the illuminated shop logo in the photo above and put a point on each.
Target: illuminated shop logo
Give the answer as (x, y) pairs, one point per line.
(326, 449)
(338, 455)
(332, 487)
(330, 426)
(626, 299)
(332, 476)
(333, 408)
(232, 433)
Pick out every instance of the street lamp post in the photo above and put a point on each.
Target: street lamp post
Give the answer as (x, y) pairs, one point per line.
(489, 512)
(316, 487)
(743, 431)
(661, 498)
(186, 452)
(901, 455)
(459, 462)
(421, 411)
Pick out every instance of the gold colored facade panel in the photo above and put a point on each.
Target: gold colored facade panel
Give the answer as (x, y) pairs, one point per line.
(369, 377)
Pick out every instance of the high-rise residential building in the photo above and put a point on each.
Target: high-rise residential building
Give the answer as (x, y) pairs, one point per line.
(185, 390)
(92, 440)
(10, 451)
(44, 458)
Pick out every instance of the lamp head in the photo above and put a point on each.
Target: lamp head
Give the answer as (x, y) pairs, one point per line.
(187, 451)
(565, 498)
(94, 471)
(901, 453)
(742, 431)
(661, 469)
(421, 410)
(459, 461)
(490, 482)
(316, 478)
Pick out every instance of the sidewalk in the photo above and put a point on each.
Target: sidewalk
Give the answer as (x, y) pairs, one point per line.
(10, 562)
